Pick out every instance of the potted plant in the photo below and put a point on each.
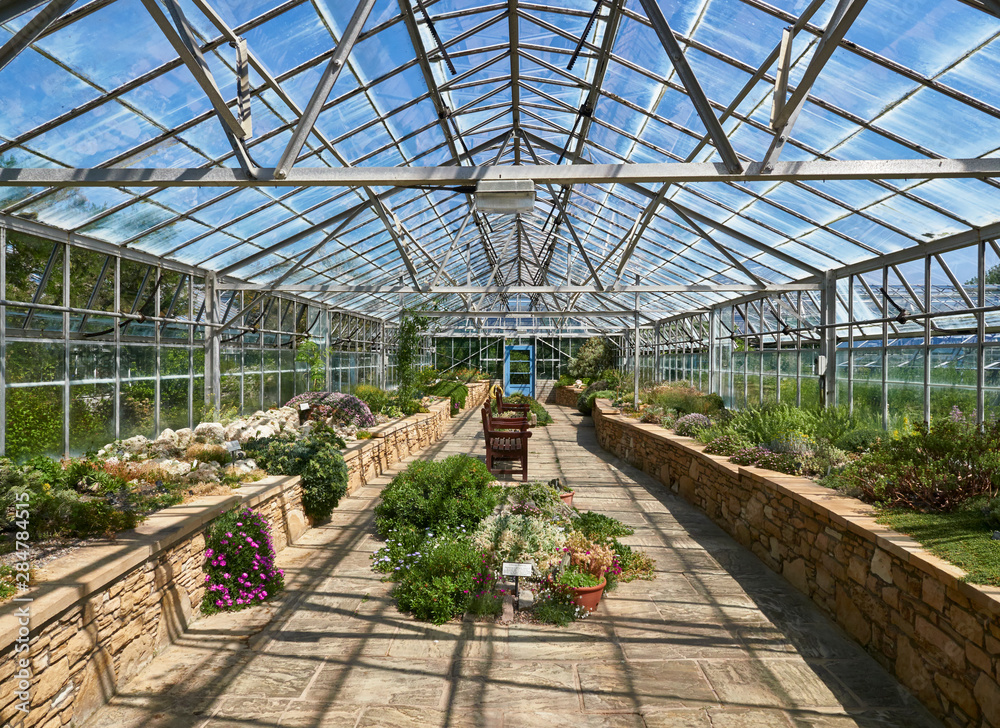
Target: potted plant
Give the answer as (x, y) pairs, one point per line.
(565, 492)
(585, 588)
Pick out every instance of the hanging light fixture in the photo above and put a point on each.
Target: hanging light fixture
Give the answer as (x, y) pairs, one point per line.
(506, 196)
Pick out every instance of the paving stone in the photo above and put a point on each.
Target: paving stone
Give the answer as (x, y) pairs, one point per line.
(639, 687)
(515, 686)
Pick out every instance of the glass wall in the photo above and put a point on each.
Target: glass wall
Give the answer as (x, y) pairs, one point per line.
(96, 347)
(915, 341)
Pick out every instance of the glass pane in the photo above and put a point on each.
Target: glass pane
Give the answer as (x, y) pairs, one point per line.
(34, 422)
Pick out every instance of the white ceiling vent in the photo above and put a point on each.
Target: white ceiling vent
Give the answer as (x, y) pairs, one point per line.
(506, 196)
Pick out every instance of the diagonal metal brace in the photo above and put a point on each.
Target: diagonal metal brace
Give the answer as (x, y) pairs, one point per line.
(695, 92)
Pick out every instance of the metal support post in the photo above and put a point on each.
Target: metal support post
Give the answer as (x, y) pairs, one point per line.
(3, 341)
(713, 350)
(981, 336)
(67, 361)
(118, 349)
(213, 376)
(927, 339)
(828, 348)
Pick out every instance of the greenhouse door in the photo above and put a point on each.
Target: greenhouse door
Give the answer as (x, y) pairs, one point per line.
(519, 370)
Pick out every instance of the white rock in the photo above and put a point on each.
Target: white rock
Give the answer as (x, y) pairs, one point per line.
(136, 445)
(204, 473)
(244, 466)
(168, 436)
(184, 437)
(265, 431)
(212, 432)
(173, 467)
(235, 429)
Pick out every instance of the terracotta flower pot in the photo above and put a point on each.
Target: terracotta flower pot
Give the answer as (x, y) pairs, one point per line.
(567, 498)
(588, 597)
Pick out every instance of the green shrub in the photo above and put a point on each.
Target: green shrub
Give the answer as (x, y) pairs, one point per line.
(724, 444)
(581, 400)
(457, 491)
(56, 509)
(682, 398)
(572, 576)
(376, 399)
(761, 457)
(457, 391)
(585, 402)
(239, 562)
(566, 380)
(930, 469)
(770, 423)
(555, 605)
(860, 440)
(593, 357)
(324, 482)
(316, 458)
(632, 564)
(444, 578)
(599, 527)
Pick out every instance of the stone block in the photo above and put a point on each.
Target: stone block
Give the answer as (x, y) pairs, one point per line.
(945, 646)
(987, 694)
(97, 686)
(851, 618)
(881, 565)
(956, 692)
(933, 593)
(912, 672)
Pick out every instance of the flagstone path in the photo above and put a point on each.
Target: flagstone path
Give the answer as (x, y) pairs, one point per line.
(715, 641)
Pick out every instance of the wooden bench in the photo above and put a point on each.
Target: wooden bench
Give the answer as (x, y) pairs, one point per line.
(506, 440)
(502, 408)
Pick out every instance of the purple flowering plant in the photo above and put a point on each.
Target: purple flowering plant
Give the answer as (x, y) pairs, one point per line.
(239, 562)
(345, 409)
(690, 425)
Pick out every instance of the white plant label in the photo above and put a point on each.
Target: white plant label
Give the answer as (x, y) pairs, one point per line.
(303, 406)
(510, 569)
(233, 445)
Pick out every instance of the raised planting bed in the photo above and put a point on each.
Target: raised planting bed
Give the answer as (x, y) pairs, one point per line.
(98, 614)
(913, 612)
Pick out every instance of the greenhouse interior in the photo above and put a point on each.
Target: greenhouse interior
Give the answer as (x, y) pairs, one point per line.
(395, 279)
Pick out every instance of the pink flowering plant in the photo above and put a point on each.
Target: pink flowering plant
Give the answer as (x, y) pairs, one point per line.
(239, 563)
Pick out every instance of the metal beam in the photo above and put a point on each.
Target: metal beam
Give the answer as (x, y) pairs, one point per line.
(694, 90)
(181, 36)
(464, 177)
(526, 314)
(784, 119)
(32, 30)
(179, 33)
(312, 111)
(525, 289)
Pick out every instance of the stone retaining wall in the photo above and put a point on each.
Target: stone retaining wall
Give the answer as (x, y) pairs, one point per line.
(479, 392)
(103, 612)
(567, 396)
(939, 635)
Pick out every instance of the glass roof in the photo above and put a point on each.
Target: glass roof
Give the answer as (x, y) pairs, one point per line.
(441, 83)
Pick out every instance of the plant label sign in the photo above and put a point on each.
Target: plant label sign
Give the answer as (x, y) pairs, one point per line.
(233, 446)
(510, 569)
(303, 406)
